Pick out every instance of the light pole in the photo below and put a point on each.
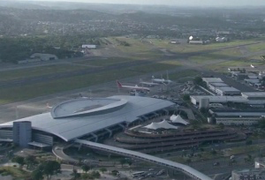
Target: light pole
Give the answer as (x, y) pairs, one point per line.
(90, 93)
(17, 115)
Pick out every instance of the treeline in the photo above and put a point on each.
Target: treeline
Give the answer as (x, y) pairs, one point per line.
(21, 48)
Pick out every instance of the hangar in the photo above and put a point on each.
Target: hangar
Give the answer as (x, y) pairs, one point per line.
(91, 119)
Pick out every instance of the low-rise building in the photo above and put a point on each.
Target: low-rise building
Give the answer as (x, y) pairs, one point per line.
(196, 42)
(228, 91)
(215, 85)
(212, 80)
(229, 117)
(44, 57)
(89, 46)
(248, 174)
(260, 162)
(254, 95)
(219, 99)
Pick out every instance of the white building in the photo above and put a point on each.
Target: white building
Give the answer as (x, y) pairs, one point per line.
(44, 57)
(260, 162)
(196, 42)
(89, 46)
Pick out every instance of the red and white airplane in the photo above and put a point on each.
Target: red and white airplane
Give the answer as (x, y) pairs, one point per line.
(136, 88)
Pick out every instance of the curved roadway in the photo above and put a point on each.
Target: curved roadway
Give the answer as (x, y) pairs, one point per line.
(145, 157)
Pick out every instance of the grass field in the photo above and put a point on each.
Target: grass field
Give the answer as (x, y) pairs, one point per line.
(224, 65)
(8, 95)
(257, 47)
(14, 172)
(184, 48)
(37, 71)
(184, 74)
(105, 62)
(138, 49)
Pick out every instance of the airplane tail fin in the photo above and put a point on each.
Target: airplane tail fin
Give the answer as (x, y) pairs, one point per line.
(119, 84)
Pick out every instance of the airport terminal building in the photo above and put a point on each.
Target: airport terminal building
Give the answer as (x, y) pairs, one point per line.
(92, 119)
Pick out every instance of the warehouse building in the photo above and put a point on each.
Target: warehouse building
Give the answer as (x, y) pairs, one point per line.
(227, 91)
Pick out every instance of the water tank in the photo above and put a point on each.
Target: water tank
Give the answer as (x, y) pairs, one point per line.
(204, 103)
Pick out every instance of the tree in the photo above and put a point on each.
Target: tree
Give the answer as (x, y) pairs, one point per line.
(51, 168)
(95, 174)
(123, 161)
(248, 142)
(19, 160)
(129, 162)
(103, 170)
(30, 161)
(186, 98)
(188, 161)
(37, 175)
(198, 80)
(85, 168)
(261, 123)
(221, 126)
(213, 152)
(75, 174)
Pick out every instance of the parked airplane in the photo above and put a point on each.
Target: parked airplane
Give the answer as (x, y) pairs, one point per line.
(136, 88)
(150, 84)
(161, 81)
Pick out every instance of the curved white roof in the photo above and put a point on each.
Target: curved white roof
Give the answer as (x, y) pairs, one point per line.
(86, 106)
(178, 119)
(72, 127)
(160, 125)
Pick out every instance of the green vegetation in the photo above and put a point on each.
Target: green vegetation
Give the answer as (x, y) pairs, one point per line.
(186, 98)
(15, 49)
(183, 74)
(48, 169)
(8, 95)
(38, 71)
(261, 123)
(257, 47)
(19, 160)
(104, 62)
(244, 150)
(136, 47)
(14, 172)
(85, 168)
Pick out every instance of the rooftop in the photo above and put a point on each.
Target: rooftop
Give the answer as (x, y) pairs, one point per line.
(219, 84)
(228, 89)
(253, 94)
(212, 80)
(221, 99)
(107, 112)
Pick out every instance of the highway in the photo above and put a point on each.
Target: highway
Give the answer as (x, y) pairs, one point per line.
(193, 173)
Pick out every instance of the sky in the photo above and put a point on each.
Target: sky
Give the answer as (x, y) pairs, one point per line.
(176, 2)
